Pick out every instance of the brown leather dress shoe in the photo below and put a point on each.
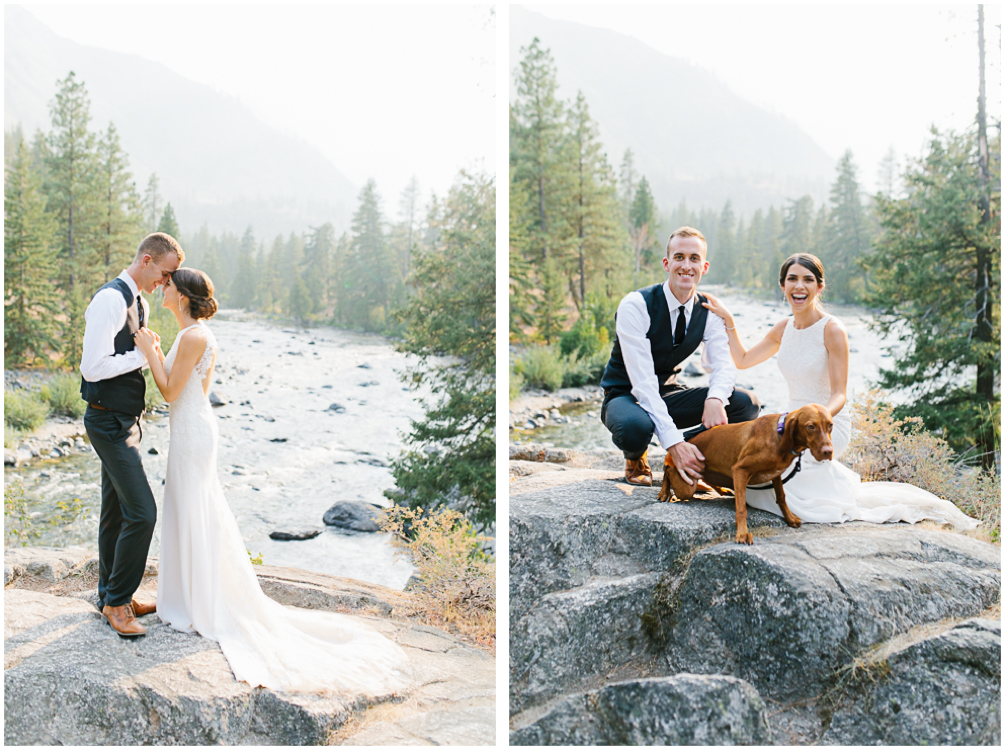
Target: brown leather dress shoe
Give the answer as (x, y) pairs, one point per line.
(143, 608)
(638, 472)
(123, 621)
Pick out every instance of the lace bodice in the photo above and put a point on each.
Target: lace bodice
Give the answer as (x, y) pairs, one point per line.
(191, 409)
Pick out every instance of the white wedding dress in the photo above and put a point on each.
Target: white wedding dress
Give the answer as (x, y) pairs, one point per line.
(827, 491)
(206, 583)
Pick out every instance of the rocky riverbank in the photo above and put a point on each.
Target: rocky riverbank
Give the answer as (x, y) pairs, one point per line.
(70, 680)
(639, 622)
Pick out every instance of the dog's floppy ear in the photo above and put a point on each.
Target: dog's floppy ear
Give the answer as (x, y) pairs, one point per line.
(790, 437)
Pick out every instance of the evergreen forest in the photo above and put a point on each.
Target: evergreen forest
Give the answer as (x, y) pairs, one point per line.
(923, 253)
(74, 215)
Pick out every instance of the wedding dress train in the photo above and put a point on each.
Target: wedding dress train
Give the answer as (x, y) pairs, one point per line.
(827, 491)
(206, 583)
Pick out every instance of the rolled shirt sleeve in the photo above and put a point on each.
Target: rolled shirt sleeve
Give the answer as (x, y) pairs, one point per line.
(632, 332)
(104, 318)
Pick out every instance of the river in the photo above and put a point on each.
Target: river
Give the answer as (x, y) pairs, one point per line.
(284, 456)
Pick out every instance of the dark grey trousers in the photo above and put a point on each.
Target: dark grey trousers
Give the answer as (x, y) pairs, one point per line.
(631, 427)
(128, 510)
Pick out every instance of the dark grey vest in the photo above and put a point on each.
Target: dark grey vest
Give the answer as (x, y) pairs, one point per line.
(667, 358)
(127, 392)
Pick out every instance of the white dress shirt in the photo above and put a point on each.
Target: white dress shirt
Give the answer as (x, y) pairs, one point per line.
(104, 318)
(633, 322)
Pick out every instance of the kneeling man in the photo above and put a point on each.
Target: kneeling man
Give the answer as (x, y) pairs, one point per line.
(658, 327)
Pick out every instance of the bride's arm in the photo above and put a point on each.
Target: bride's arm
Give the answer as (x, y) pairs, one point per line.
(838, 357)
(190, 349)
(743, 357)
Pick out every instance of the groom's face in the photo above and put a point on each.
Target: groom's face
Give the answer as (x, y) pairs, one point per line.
(685, 263)
(155, 273)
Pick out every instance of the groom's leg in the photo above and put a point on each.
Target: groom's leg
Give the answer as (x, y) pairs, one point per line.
(630, 426)
(686, 407)
(116, 441)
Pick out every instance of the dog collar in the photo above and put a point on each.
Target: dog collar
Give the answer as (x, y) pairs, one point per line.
(780, 424)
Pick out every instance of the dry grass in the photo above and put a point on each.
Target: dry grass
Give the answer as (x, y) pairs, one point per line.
(886, 449)
(456, 587)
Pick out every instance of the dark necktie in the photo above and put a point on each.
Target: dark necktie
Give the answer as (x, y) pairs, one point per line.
(139, 306)
(681, 326)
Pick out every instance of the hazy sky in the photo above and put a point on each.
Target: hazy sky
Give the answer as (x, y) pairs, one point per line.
(384, 91)
(852, 76)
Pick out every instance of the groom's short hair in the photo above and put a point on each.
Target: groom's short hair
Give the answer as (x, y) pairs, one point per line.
(687, 232)
(159, 244)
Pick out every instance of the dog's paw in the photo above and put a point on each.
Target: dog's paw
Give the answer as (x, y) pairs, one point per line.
(795, 522)
(744, 537)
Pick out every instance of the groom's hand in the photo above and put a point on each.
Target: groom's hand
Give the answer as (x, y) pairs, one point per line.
(688, 461)
(714, 413)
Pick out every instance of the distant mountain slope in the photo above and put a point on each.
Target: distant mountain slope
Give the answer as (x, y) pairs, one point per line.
(216, 161)
(692, 137)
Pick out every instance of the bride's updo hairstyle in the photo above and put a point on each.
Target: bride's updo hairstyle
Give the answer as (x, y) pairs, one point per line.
(806, 260)
(198, 288)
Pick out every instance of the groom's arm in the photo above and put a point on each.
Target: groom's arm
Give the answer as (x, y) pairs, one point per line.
(632, 332)
(723, 370)
(104, 318)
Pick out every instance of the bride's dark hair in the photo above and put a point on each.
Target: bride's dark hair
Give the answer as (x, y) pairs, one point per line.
(806, 260)
(199, 289)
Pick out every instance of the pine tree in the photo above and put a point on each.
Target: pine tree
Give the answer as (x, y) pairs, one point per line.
(451, 314)
(31, 304)
(847, 234)
(121, 224)
(168, 224)
(369, 263)
(317, 261)
(643, 223)
(930, 284)
(888, 170)
(71, 188)
(550, 312)
(723, 256)
(407, 227)
(151, 203)
(593, 206)
(246, 280)
(628, 182)
(536, 151)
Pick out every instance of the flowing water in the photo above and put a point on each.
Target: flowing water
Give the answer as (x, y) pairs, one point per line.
(284, 456)
(754, 318)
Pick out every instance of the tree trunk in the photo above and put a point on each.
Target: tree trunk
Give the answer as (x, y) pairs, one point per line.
(984, 330)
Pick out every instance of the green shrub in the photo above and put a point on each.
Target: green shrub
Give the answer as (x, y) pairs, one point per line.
(63, 395)
(23, 410)
(541, 367)
(515, 383)
(585, 338)
(580, 371)
(11, 437)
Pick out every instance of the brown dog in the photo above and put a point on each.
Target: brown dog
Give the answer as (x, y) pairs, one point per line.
(736, 455)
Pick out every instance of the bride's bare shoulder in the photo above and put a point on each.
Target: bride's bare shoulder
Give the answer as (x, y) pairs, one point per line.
(778, 329)
(834, 334)
(193, 340)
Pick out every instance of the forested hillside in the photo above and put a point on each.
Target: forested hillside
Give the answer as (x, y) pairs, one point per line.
(697, 139)
(217, 162)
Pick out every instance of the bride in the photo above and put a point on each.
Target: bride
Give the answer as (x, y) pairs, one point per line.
(206, 583)
(812, 354)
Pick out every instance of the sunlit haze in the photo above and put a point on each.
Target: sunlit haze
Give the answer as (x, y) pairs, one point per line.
(383, 91)
(862, 77)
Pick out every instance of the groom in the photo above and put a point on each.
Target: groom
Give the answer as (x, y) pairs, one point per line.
(112, 384)
(658, 327)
